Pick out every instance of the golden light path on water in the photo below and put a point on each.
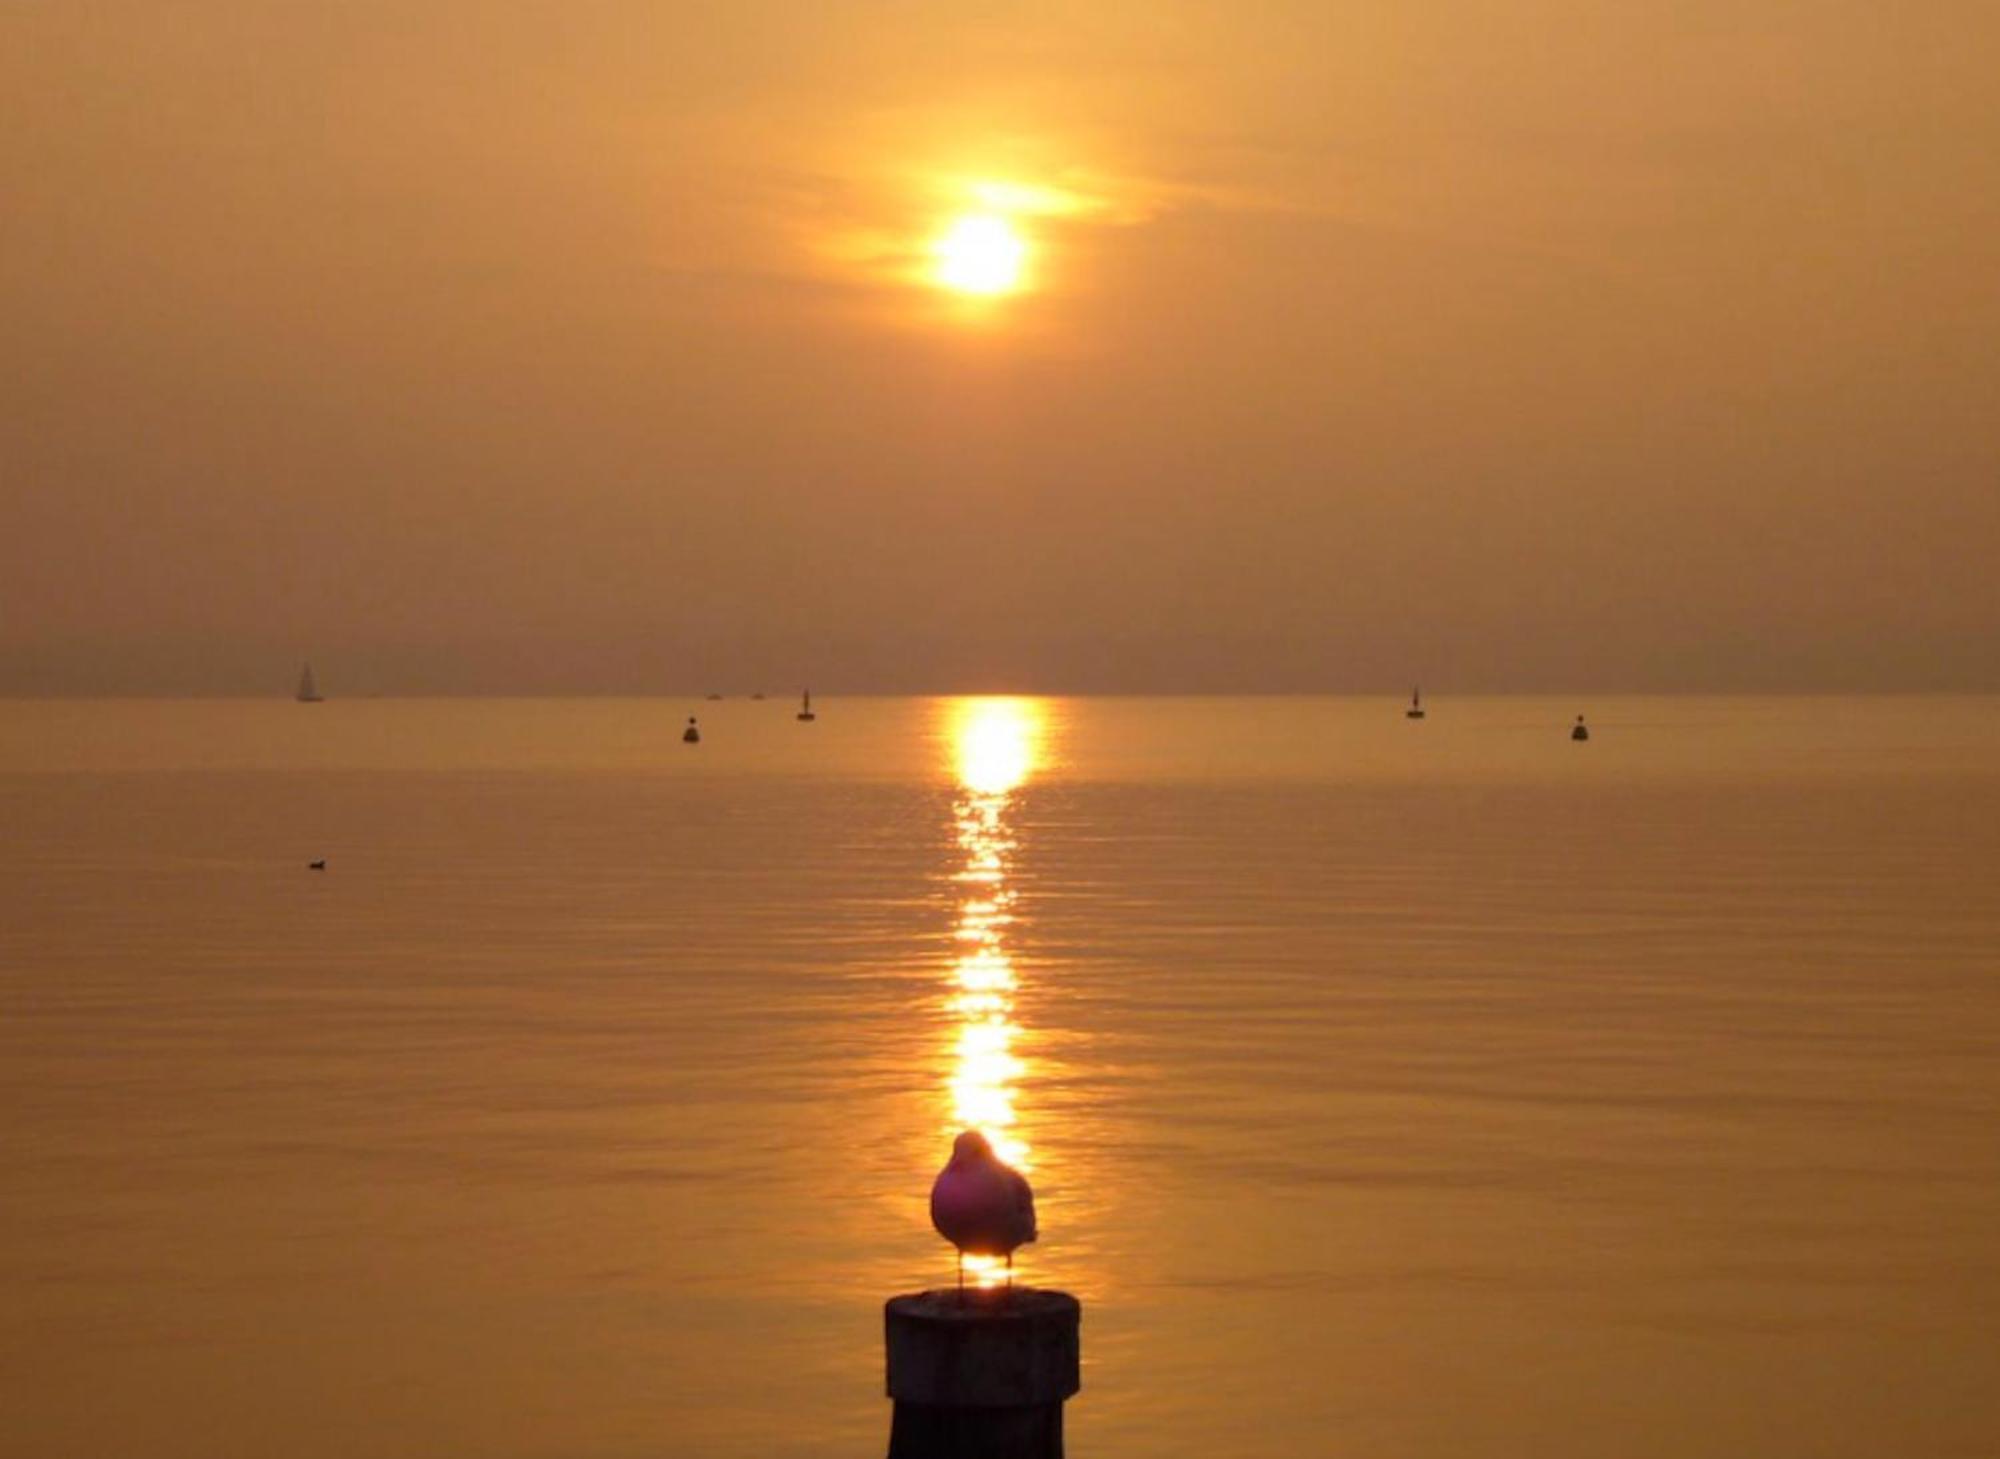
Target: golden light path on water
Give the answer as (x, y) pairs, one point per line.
(995, 744)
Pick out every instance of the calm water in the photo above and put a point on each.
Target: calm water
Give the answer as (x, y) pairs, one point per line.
(1392, 1089)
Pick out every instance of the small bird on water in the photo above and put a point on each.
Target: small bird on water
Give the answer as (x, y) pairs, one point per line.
(982, 1205)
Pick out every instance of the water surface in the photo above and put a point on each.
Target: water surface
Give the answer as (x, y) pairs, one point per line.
(1392, 1089)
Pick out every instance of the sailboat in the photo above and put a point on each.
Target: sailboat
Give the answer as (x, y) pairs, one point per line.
(1416, 709)
(308, 690)
(806, 708)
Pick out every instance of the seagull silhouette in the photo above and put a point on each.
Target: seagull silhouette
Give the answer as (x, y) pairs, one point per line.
(982, 1205)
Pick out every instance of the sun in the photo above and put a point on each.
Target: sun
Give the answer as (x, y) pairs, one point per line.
(980, 253)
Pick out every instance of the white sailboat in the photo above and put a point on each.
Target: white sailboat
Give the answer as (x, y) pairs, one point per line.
(308, 689)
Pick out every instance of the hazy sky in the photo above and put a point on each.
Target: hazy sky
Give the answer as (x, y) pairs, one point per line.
(587, 345)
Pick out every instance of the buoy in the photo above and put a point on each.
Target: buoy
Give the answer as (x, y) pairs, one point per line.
(1582, 731)
(692, 734)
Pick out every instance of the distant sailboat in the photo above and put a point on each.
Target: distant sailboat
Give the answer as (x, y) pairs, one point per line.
(308, 690)
(1416, 709)
(806, 708)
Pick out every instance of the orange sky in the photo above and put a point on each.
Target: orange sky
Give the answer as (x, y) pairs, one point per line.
(484, 345)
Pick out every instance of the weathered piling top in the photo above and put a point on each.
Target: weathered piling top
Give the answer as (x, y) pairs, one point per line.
(1000, 1348)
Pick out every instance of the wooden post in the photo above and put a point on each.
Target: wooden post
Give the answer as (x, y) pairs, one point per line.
(981, 1374)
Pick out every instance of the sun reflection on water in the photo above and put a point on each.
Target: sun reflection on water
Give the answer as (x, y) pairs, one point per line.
(995, 745)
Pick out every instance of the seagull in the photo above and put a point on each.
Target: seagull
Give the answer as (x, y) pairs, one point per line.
(981, 1204)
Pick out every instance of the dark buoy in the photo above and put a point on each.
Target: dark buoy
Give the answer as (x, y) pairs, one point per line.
(1582, 731)
(982, 1375)
(319, 865)
(692, 734)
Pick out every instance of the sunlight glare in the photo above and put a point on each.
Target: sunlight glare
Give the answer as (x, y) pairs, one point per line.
(996, 742)
(995, 746)
(981, 254)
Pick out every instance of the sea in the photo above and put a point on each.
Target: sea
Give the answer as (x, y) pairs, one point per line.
(1391, 1088)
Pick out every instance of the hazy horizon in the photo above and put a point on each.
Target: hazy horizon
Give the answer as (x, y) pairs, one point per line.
(1586, 696)
(553, 349)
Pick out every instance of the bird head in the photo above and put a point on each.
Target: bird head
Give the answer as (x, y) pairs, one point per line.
(971, 1148)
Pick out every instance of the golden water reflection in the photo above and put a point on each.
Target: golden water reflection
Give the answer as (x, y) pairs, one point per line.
(995, 746)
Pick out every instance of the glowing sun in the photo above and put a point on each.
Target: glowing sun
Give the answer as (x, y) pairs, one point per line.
(980, 253)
